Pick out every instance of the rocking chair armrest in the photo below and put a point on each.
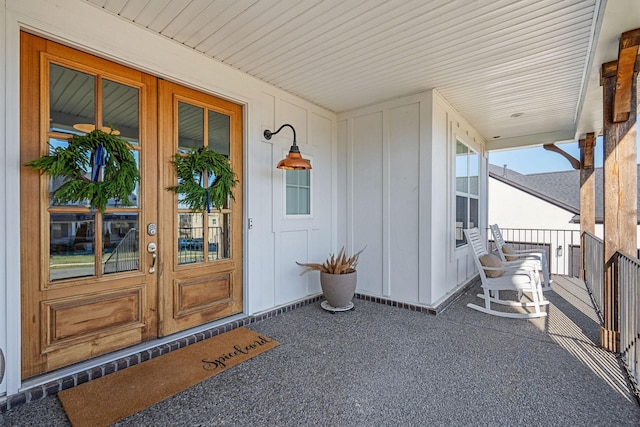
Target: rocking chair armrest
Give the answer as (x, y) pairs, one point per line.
(537, 256)
(531, 252)
(495, 268)
(517, 265)
(520, 263)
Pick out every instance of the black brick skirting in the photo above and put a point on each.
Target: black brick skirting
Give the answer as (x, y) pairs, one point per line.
(42, 391)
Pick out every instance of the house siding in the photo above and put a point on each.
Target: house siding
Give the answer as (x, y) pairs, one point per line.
(382, 175)
(398, 182)
(272, 245)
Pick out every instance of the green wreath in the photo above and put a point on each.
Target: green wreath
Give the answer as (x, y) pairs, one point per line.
(113, 169)
(190, 169)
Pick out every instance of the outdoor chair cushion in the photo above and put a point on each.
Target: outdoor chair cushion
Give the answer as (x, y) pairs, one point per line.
(508, 249)
(490, 260)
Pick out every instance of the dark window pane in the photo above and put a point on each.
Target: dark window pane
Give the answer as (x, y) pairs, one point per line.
(71, 98)
(71, 246)
(190, 238)
(461, 219)
(190, 127)
(120, 234)
(219, 133)
(120, 105)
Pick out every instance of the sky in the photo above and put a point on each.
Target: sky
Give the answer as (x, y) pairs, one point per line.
(539, 160)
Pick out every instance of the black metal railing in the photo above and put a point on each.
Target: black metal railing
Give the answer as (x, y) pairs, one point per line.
(567, 253)
(125, 256)
(593, 255)
(629, 300)
(562, 246)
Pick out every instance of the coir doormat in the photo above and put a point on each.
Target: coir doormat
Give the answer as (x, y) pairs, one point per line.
(113, 397)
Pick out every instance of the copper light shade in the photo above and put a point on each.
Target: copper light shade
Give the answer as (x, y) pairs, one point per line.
(294, 160)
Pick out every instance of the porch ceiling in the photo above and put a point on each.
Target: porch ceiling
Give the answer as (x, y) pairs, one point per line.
(489, 59)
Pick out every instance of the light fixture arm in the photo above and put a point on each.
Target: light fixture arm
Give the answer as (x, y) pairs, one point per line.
(268, 134)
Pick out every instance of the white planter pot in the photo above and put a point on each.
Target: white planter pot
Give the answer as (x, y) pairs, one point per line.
(338, 289)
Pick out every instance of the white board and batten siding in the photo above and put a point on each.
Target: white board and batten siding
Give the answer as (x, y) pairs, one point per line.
(398, 177)
(272, 245)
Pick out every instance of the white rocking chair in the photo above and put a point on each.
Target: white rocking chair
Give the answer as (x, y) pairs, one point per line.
(518, 277)
(538, 257)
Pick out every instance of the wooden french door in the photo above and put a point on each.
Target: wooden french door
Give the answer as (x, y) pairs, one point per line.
(97, 282)
(202, 275)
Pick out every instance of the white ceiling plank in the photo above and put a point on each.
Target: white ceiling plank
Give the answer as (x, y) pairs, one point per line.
(167, 15)
(301, 36)
(488, 59)
(115, 6)
(132, 9)
(214, 17)
(150, 12)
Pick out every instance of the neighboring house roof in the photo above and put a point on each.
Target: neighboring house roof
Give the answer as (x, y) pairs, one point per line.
(561, 189)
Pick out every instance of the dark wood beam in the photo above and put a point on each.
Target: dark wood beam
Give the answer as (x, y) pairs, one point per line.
(587, 185)
(587, 152)
(627, 55)
(619, 200)
(575, 163)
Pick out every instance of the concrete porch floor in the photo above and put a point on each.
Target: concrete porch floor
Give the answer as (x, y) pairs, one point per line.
(380, 365)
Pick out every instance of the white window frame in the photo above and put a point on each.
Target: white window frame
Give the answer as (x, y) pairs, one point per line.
(459, 240)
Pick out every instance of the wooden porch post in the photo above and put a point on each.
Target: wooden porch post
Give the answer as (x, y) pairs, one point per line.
(618, 80)
(587, 189)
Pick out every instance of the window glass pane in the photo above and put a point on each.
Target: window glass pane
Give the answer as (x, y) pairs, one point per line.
(461, 219)
(473, 213)
(473, 172)
(219, 133)
(461, 167)
(71, 98)
(304, 202)
(291, 177)
(298, 192)
(292, 201)
(304, 178)
(120, 105)
(71, 245)
(120, 242)
(190, 127)
(190, 238)
(219, 236)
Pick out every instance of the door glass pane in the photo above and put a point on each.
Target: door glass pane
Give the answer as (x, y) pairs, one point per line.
(71, 246)
(190, 238)
(120, 105)
(219, 133)
(190, 127)
(134, 196)
(219, 236)
(71, 98)
(120, 234)
(56, 183)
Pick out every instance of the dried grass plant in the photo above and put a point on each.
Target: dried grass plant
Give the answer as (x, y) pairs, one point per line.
(341, 264)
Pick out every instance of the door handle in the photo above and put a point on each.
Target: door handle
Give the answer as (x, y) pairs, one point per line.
(152, 248)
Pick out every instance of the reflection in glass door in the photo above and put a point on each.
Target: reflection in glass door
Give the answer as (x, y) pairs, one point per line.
(83, 242)
(212, 226)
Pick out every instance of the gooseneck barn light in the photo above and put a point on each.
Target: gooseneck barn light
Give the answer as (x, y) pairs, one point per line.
(294, 160)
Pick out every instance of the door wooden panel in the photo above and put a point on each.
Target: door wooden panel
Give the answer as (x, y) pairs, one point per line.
(77, 302)
(201, 278)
